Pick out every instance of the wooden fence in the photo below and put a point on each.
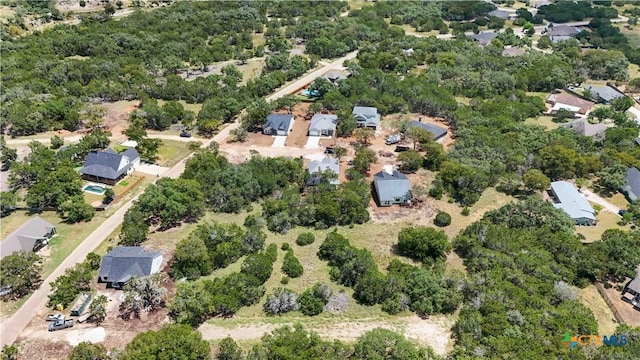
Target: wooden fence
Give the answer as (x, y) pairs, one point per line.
(126, 191)
(605, 296)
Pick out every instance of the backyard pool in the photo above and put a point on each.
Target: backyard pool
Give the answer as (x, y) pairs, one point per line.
(310, 93)
(94, 189)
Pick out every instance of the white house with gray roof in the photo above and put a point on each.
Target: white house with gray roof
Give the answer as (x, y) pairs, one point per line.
(392, 188)
(366, 116)
(604, 93)
(317, 167)
(278, 124)
(568, 199)
(585, 128)
(108, 167)
(31, 236)
(631, 187)
(323, 124)
(126, 262)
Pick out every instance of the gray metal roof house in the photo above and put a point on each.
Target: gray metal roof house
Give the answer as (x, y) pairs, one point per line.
(583, 127)
(573, 203)
(392, 188)
(502, 14)
(631, 291)
(484, 38)
(436, 131)
(31, 236)
(605, 93)
(278, 124)
(323, 125)
(366, 116)
(109, 167)
(631, 187)
(126, 262)
(317, 167)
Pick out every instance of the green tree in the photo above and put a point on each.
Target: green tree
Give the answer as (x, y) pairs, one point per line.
(310, 304)
(172, 342)
(347, 123)
(363, 159)
(535, 180)
(109, 9)
(305, 238)
(191, 259)
(134, 227)
(8, 157)
(339, 152)
(21, 272)
(56, 142)
(229, 350)
(410, 161)
(363, 135)
(380, 344)
(98, 309)
(622, 103)
(8, 202)
(321, 85)
(291, 265)
(442, 219)
(75, 210)
(109, 196)
(423, 243)
(545, 42)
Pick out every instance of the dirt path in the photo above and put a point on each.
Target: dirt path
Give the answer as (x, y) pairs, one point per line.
(434, 332)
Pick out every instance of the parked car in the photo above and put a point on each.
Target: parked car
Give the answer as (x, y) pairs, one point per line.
(329, 150)
(393, 139)
(402, 148)
(185, 134)
(622, 212)
(54, 317)
(60, 324)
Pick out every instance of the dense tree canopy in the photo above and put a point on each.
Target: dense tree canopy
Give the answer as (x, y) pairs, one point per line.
(173, 341)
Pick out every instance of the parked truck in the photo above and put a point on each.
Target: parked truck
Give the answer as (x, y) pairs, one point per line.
(60, 324)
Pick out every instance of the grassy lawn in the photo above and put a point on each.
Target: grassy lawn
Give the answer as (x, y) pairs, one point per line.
(591, 298)
(606, 220)
(171, 152)
(618, 200)
(251, 70)
(634, 70)
(545, 121)
(632, 35)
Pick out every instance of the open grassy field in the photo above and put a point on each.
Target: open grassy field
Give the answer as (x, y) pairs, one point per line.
(591, 298)
(545, 121)
(632, 35)
(618, 200)
(195, 108)
(171, 152)
(634, 70)
(606, 220)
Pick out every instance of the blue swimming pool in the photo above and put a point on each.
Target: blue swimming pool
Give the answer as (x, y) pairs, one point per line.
(310, 93)
(94, 189)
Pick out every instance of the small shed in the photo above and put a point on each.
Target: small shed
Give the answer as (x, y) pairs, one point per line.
(81, 305)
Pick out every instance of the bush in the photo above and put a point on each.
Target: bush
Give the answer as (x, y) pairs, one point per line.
(305, 238)
(310, 305)
(272, 252)
(396, 304)
(465, 211)
(442, 219)
(292, 265)
(285, 246)
(423, 243)
(284, 280)
(258, 265)
(281, 301)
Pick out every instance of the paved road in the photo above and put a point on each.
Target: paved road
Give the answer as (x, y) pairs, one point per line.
(600, 201)
(11, 327)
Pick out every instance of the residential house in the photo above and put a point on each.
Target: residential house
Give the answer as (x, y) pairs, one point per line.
(559, 33)
(538, 3)
(278, 124)
(126, 262)
(638, 140)
(568, 199)
(366, 116)
(334, 76)
(604, 93)
(108, 167)
(436, 131)
(631, 188)
(317, 167)
(323, 125)
(485, 38)
(569, 102)
(31, 236)
(631, 291)
(392, 188)
(583, 127)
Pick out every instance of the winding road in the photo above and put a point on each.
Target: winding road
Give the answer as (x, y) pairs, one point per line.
(11, 327)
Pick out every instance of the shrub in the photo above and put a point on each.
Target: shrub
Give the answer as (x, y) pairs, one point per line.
(285, 246)
(272, 252)
(281, 301)
(310, 305)
(465, 211)
(284, 280)
(442, 219)
(292, 265)
(305, 238)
